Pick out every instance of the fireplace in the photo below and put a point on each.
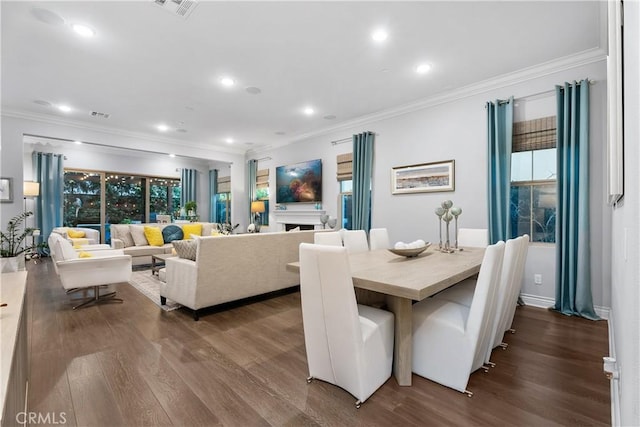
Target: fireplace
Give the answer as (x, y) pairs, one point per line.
(306, 219)
(303, 227)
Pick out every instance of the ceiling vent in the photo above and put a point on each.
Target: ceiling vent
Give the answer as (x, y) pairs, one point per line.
(182, 8)
(99, 115)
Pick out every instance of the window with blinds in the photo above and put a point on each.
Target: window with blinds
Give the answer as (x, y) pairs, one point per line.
(223, 200)
(345, 166)
(533, 179)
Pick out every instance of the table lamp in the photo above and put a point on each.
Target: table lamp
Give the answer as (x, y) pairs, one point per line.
(257, 208)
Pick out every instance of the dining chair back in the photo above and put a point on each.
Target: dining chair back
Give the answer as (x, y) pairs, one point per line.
(378, 239)
(447, 336)
(348, 345)
(331, 238)
(516, 286)
(473, 237)
(355, 241)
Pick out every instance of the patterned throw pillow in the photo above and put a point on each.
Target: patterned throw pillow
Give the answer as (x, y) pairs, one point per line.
(185, 248)
(171, 233)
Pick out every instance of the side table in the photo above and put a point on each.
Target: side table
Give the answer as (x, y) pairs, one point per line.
(158, 261)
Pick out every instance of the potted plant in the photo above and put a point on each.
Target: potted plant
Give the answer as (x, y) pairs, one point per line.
(11, 243)
(191, 207)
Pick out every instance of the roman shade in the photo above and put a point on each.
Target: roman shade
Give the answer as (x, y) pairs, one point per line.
(538, 134)
(345, 166)
(262, 178)
(224, 184)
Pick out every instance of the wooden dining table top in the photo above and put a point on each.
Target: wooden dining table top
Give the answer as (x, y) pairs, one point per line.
(413, 278)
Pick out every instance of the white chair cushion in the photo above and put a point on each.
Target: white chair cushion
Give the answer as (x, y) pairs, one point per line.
(137, 232)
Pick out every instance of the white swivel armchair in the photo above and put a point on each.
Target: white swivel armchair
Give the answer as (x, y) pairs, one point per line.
(355, 241)
(348, 345)
(331, 238)
(102, 268)
(379, 239)
(87, 236)
(447, 336)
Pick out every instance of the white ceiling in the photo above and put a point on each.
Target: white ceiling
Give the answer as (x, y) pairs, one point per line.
(146, 66)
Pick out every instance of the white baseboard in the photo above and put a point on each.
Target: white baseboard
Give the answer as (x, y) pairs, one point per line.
(546, 302)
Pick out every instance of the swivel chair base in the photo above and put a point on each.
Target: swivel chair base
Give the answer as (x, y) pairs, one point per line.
(99, 299)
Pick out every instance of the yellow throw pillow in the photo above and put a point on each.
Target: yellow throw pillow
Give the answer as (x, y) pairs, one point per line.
(75, 234)
(84, 254)
(153, 235)
(189, 229)
(215, 233)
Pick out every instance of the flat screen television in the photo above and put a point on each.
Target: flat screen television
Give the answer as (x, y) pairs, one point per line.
(300, 182)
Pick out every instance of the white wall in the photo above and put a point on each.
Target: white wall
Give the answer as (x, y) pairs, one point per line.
(16, 158)
(457, 130)
(625, 236)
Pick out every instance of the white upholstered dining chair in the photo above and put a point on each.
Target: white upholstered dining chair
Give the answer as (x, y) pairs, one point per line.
(347, 344)
(447, 336)
(473, 237)
(331, 238)
(99, 268)
(355, 241)
(378, 239)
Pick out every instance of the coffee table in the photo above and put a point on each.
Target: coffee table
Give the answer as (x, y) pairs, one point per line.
(155, 267)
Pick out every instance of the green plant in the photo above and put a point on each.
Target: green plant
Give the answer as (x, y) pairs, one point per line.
(191, 206)
(11, 239)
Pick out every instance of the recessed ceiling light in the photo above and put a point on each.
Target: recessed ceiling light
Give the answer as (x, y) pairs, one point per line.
(379, 35)
(162, 128)
(172, 155)
(64, 108)
(227, 81)
(423, 68)
(309, 111)
(77, 142)
(229, 140)
(83, 30)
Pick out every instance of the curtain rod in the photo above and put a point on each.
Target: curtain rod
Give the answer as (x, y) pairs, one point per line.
(591, 82)
(343, 140)
(262, 159)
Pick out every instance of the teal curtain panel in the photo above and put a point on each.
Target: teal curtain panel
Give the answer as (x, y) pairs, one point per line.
(362, 167)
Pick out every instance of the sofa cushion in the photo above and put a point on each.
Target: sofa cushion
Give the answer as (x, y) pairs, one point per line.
(186, 248)
(153, 235)
(137, 232)
(171, 233)
(189, 229)
(122, 232)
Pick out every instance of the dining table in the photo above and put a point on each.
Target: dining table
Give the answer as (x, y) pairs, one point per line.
(404, 280)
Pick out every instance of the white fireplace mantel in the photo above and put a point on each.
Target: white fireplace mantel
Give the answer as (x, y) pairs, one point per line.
(307, 217)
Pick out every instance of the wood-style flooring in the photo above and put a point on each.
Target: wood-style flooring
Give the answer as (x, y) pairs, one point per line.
(135, 364)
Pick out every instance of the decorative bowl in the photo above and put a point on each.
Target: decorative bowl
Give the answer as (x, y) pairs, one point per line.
(410, 253)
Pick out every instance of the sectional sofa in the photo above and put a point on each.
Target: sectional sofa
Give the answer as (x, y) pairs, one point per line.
(128, 237)
(229, 268)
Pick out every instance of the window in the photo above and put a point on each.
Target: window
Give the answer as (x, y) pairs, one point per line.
(533, 196)
(92, 199)
(223, 201)
(345, 202)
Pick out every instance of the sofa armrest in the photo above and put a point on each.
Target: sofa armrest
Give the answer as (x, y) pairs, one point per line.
(181, 284)
(117, 243)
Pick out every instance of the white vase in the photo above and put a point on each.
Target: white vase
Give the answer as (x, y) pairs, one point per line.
(12, 264)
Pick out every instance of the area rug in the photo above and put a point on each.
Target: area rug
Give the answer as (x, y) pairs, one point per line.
(149, 286)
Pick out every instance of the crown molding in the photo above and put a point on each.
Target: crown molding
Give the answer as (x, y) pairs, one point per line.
(175, 143)
(521, 76)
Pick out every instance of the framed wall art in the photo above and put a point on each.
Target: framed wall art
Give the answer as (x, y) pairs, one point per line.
(423, 178)
(6, 190)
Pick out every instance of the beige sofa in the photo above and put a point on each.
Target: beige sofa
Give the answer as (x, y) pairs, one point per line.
(230, 268)
(141, 251)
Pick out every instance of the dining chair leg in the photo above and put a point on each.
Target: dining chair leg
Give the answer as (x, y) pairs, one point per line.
(358, 404)
(504, 345)
(468, 393)
(309, 379)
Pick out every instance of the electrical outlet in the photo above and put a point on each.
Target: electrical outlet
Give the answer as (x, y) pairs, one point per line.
(537, 279)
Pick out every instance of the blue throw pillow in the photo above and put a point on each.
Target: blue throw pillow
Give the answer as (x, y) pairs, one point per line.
(171, 233)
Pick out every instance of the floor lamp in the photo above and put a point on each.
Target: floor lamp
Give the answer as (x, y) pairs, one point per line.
(31, 189)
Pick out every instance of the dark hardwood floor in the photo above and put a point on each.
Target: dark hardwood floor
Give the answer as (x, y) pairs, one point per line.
(134, 364)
